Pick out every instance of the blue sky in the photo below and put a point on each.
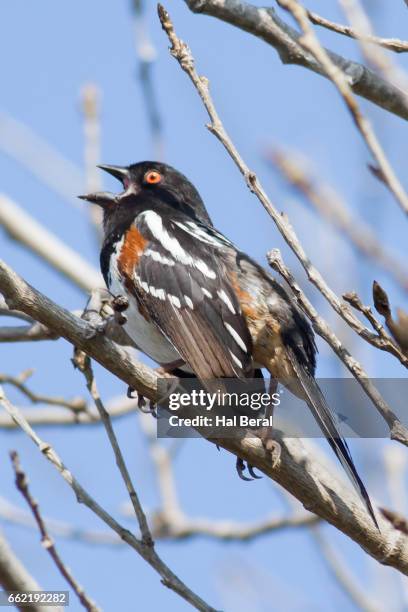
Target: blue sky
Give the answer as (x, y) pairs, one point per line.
(48, 52)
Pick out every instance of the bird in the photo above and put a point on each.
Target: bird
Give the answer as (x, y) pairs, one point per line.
(198, 305)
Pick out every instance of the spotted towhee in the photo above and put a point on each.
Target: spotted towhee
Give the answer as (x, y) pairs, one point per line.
(199, 305)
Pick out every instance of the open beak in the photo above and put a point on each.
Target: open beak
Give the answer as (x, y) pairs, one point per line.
(118, 172)
(105, 198)
(102, 198)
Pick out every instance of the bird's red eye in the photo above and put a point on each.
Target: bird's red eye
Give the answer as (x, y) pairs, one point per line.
(152, 177)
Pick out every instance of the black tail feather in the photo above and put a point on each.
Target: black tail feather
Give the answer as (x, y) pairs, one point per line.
(327, 423)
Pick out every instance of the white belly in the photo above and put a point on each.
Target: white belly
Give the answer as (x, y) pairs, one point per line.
(144, 334)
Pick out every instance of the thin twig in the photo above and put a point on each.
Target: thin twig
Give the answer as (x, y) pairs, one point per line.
(182, 54)
(267, 25)
(15, 577)
(146, 55)
(397, 520)
(387, 342)
(374, 55)
(46, 163)
(117, 407)
(353, 299)
(26, 333)
(83, 363)
(76, 405)
(14, 515)
(397, 430)
(332, 207)
(224, 530)
(25, 229)
(46, 540)
(392, 44)
(399, 327)
(341, 81)
(5, 311)
(227, 531)
(90, 98)
(98, 312)
(148, 553)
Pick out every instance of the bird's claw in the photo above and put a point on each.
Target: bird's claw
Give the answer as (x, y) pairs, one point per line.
(251, 471)
(241, 467)
(146, 406)
(129, 393)
(120, 303)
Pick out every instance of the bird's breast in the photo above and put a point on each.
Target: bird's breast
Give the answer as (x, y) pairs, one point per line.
(138, 326)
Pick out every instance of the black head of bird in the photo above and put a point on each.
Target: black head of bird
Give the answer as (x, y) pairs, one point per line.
(144, 184)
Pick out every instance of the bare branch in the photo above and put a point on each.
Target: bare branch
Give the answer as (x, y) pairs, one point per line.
(187, 528)
(76, 405)
(15, 577)
(24, 229)
(26, 333)
(46, 163)
(5, 311)
(265, 24)
(14, 515)
(90, 98)
(332, 208)
(46, 540)
(399, 328)
(83, 362)
(397, 520)
(353, 299)
(117, 407)
(387, 342)
(391, 44)
(224, 530)
(98, 312)
(146, 55)
(374, 55)
(340, 80)
(298, 472)
(148, 552)
(397, 430)
(183, 55)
